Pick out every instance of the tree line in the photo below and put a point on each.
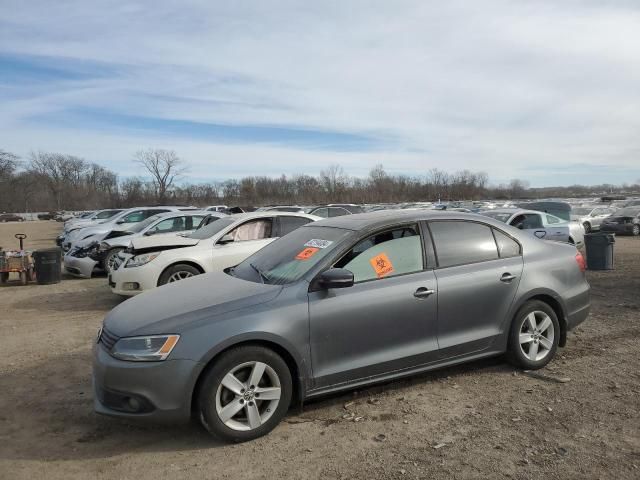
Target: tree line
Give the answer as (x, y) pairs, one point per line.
(48, 181)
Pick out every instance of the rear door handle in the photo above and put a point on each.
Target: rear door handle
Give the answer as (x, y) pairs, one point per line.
(507, 277)
(423, 292)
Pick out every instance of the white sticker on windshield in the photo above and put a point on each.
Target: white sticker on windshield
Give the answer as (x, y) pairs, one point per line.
(317, 243)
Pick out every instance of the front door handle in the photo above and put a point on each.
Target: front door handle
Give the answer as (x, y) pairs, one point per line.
(540, 233)
(423, 292)
(507, 277)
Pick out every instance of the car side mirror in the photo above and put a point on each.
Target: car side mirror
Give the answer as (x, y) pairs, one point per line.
(228, 238)
(148, 233)
(120, 222)
(333, 278)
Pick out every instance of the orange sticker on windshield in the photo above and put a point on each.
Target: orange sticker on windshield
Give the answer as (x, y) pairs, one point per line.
(307, 253)
(382, 265)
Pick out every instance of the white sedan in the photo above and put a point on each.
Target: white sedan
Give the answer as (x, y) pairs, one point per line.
(224, 243)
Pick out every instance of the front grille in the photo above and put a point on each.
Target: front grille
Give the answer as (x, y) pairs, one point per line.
(108, 339)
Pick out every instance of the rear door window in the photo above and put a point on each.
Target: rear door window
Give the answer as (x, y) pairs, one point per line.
(321, 212)
(385, 254)
(460, 242)
(527, 221)
(176, 224)
(134, 217)
(193, 221)
(337, 212)
(289, 223)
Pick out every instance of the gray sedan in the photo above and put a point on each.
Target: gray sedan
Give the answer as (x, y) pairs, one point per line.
(335, 305)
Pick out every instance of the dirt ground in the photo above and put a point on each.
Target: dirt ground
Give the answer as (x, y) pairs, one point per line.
(579, 418)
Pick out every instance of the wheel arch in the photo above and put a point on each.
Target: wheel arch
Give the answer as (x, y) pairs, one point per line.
(191, 263)
(555, 302)
(297, 365)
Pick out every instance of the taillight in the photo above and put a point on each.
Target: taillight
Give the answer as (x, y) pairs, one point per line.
(582, 264)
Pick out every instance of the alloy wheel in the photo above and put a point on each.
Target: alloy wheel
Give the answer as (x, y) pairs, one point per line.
(636, 230)
(248, 396)
(536, 335)
(113, 262)
(181, 275)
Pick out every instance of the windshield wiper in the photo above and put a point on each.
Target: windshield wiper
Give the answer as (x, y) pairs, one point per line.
(263, 277)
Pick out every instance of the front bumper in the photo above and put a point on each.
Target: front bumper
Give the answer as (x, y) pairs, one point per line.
(79, 267)
(161, 391)
(132, 281)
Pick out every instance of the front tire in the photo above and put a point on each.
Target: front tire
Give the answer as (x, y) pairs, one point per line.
(534, 336)
(587, 227)
(245, 394)
(111, 261)
(635, 231)
(177, 272)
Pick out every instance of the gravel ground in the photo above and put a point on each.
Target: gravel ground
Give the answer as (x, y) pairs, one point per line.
(577, 418)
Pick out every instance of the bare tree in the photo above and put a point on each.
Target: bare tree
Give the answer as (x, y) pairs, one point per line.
(164, 166)
(63, 173)
(8, 164)
(333, 180)
(517, 188)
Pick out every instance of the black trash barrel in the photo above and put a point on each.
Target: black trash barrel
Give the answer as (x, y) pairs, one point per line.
(48, 265)
(599, 250)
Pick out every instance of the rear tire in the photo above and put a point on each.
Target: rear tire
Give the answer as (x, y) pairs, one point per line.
(177, 272)
(245, 394)
(4, 276)
(534, 336)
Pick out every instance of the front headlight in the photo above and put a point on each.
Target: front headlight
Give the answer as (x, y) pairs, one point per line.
(139, 260)
(152, 348)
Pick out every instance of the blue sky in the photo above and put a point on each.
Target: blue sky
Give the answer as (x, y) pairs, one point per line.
(545, 91)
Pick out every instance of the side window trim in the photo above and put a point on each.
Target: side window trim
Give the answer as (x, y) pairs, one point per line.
(429, 258)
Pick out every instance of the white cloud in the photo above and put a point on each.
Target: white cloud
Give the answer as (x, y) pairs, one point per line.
(495, 85)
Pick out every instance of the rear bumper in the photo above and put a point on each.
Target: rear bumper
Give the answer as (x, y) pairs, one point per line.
(578, 316)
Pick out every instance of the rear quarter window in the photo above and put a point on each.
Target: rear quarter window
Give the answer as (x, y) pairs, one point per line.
(507, 246)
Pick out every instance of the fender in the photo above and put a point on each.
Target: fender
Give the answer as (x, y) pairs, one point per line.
(301, 363)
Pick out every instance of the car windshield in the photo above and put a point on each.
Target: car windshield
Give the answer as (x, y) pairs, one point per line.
(628, 212)
(210, 230)
(289, 258)
(138, 227)
(581, 211)
(500, 216)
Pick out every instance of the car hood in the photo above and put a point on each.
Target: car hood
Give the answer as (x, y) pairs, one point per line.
(169, 308)
(160, 241)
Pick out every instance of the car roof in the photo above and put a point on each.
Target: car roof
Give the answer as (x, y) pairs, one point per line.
(183, 213)
(380, 218)
(271, 213)
(514, 211)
